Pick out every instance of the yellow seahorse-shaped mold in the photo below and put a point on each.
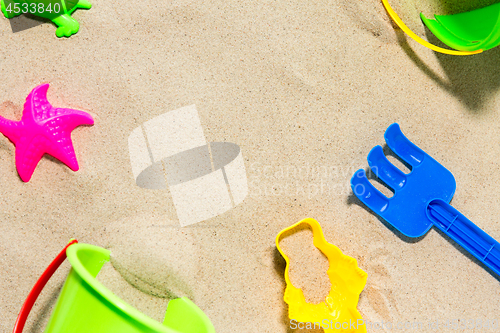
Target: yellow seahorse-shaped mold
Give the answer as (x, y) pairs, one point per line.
(338, 312)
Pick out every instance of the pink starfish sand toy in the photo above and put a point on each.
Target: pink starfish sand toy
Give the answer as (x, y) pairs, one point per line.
(43, 129)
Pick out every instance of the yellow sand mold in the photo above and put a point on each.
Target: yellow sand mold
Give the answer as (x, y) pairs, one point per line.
(338, 313)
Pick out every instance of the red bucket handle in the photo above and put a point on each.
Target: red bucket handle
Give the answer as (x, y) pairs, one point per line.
(37, 288)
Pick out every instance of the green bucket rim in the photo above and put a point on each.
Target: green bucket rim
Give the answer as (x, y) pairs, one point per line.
(120, 305)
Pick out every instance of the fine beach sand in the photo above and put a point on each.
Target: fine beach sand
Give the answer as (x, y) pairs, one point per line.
(306, 89)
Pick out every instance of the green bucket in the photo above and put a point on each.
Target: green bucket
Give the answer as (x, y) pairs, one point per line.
(85, 305)
(470, 31)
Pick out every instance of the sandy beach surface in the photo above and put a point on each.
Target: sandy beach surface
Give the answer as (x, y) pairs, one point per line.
(306, 89)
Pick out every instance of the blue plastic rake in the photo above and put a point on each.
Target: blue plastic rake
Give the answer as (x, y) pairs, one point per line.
(421, 198)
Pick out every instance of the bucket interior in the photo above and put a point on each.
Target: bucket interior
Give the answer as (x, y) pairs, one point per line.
(86, 305)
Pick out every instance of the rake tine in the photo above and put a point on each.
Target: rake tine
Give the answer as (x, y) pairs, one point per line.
(403, 147)
(367, 193)
(385, 170)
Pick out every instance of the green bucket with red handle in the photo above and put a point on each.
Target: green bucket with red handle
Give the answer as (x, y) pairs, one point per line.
(85, 305)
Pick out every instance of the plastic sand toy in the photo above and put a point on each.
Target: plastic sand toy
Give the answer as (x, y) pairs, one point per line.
(425, 43)
(85, 305)
(43, 129)
(58, 11)
(338, 311)
(470, 31)
(421, 198)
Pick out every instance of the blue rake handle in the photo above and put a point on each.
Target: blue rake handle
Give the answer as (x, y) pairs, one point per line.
(464, 232)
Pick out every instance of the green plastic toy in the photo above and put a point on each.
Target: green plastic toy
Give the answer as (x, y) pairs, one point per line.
(470, 31)
(58, 11)
(85, 305)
